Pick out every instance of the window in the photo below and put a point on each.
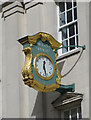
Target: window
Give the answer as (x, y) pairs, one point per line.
(69, 105)
(72, 114)
(68, 26)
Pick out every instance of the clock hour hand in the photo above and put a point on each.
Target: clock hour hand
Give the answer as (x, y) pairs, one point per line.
(44, 67)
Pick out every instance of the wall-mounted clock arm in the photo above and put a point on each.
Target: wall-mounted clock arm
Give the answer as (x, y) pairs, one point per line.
(66, 88)
(83, 47)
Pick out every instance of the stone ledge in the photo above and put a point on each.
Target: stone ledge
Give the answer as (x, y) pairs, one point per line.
(64, 100)
(65, 55)
(32, 4)
(10, 5)
(12, 9)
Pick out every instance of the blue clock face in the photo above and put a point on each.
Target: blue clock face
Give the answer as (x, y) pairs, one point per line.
(44, 66)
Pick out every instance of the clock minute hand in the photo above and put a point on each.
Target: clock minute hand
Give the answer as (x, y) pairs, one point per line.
(44, 67)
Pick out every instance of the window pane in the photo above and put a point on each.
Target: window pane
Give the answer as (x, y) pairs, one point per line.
(66, 115)
(65, 43)
(74, 3)
(69, 5)
(79, 112)
(72, 42)
(76, 28)
(77, 40)
(71, 30)
(69, 16)
(62, 19)
(75, 13)
(74, 114)
(61, 6)
(64, 33)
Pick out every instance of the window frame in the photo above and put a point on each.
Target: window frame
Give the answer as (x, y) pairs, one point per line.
(59, 30)
(70, 116)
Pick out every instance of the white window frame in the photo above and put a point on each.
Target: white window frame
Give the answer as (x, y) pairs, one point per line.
(66, 25)
(69, 109)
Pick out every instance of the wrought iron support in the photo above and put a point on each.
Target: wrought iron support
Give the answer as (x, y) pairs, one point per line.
(66, 88)
(83, 47)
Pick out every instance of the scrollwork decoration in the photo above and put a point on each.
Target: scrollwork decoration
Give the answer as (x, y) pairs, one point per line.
(27, 69)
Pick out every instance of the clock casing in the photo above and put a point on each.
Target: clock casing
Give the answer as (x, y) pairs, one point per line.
(45, 77)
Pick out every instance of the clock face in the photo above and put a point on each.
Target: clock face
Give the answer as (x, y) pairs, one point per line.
(44, 66)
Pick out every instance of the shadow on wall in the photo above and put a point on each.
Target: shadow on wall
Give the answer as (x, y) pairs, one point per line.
(43, 107)
(39, 110)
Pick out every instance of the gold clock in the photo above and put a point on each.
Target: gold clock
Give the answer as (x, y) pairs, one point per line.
(44, 66)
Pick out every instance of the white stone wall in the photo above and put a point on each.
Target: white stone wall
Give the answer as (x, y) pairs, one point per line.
(20, 100)
(0, 66)
(83, 21)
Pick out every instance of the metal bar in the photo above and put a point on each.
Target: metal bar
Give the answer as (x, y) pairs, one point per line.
(83, 47)
(66, 88)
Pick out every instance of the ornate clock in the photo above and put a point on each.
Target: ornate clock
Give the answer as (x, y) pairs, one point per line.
(44, 66)
(40, 70)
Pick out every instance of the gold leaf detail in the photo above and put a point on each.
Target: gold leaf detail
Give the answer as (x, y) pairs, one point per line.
(27, 69)
(44, 37)
(58, 79)
(43, 88)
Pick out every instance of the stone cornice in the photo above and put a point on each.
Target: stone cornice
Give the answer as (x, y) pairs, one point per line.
(67, 99)
(32, 4)
(12, 8)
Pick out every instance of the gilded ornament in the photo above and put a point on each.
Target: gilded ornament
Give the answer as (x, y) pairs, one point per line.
(41, 88)
(27, 69)
(27, 72)
(58, 79)
(44, 37)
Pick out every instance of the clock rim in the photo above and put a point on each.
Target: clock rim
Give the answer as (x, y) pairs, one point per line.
(34, 63)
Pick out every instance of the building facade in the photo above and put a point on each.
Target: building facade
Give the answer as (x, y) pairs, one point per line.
(68, 23)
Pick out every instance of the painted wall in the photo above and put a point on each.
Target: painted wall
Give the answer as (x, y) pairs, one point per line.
(0, 66)
(89, 57)
(20, 100)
